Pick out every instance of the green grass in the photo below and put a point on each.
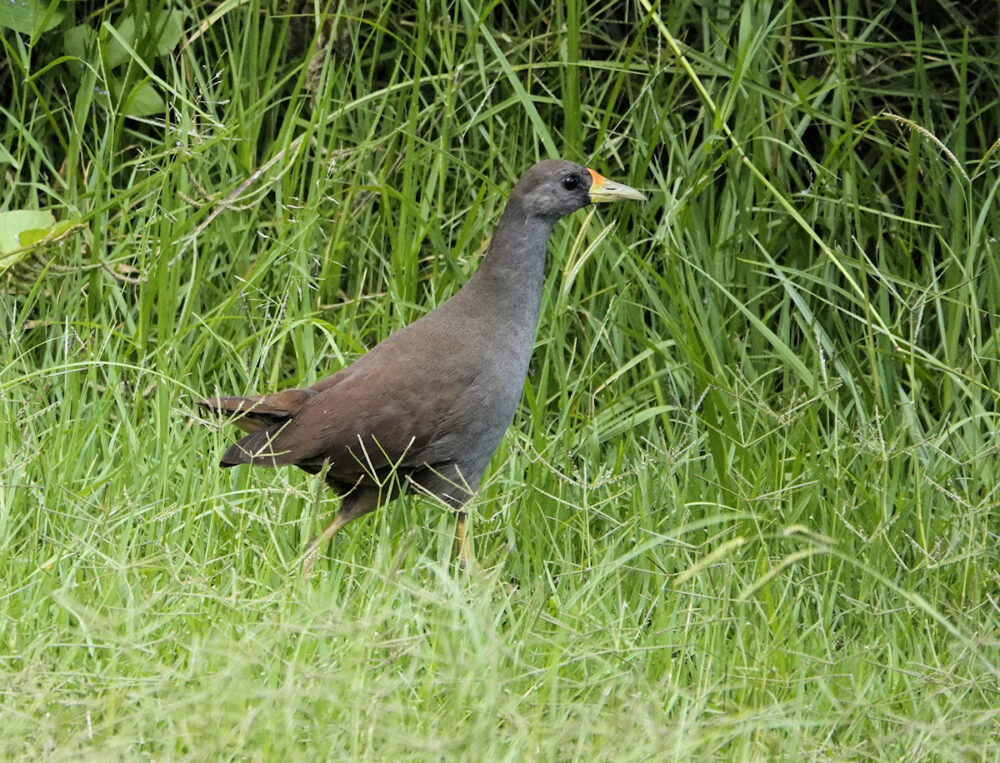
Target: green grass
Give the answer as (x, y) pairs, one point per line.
(748, 508)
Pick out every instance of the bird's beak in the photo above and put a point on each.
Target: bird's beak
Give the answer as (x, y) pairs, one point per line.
(602, 189)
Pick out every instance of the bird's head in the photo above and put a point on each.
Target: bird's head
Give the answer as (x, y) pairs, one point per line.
(555, 188)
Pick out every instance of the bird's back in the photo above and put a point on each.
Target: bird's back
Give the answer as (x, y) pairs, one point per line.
(442, 391)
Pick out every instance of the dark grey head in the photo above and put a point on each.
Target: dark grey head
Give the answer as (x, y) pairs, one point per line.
(554, 188)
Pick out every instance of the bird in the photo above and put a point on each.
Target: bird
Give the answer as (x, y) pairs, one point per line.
(424, 410)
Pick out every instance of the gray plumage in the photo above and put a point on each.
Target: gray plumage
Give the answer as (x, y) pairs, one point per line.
(426, 408)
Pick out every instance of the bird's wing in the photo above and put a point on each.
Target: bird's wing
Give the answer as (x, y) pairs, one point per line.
(382, 412)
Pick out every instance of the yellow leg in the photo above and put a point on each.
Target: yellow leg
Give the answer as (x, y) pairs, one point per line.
(356, 504)
(320, 542)
(464, 548)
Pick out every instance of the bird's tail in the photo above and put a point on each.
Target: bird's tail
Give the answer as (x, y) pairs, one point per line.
(256, 412)
(263, 416)
(255, 448)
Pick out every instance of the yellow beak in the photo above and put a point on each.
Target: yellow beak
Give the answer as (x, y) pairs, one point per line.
(602, 189)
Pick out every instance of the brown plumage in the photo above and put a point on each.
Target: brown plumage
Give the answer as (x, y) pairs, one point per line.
(425, 409)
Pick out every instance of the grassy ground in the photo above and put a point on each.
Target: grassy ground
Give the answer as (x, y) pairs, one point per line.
(748, 509)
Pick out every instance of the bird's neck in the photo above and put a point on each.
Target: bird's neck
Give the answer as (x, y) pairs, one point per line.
(513, 268)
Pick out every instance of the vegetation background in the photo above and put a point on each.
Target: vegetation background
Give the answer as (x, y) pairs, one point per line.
(748, 509)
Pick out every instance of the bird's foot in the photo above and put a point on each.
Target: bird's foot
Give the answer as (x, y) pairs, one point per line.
(310, 558)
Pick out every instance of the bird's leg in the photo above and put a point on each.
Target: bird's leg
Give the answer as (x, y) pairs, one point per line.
(447, 484)
(357, 503)
(463, 547)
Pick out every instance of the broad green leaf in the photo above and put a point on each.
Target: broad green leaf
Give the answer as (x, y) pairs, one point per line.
(38, 235)
(171, 29)
(144, 100)
(77, 41)
(22, 230)
(115, 53)
(15, 223)
(28, 16)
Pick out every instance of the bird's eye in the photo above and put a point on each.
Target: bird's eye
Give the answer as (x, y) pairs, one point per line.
(570, 182)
